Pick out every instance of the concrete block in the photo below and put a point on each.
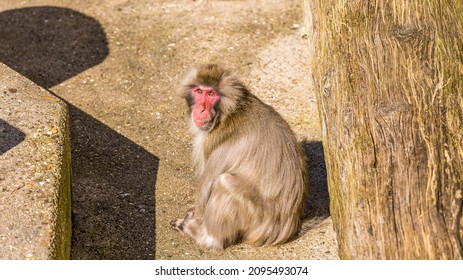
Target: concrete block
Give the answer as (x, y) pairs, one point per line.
(35, 196)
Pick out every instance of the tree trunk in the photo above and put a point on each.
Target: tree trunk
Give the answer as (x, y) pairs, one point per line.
(389, 81)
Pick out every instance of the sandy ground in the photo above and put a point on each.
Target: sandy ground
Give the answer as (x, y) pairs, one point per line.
(117, 64)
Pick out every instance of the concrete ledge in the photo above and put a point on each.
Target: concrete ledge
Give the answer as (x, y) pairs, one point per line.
(35, 195)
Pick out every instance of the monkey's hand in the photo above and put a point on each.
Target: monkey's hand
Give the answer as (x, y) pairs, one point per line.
(191, 212)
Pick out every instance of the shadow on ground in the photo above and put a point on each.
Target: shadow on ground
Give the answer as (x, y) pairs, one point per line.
(113, 179)
(10, 136)
(49, 45)
(113, 193)
(318, 199)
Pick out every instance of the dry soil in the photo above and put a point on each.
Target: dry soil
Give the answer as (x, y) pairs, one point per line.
(117, 64)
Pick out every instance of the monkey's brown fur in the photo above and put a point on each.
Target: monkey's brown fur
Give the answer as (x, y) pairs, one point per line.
(251, 171)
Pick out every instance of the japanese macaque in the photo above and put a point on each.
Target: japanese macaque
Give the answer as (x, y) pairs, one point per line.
(250, 169)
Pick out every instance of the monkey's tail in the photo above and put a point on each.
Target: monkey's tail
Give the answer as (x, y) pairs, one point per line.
(310, 224)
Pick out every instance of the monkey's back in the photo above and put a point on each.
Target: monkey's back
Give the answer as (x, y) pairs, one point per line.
(258, 146)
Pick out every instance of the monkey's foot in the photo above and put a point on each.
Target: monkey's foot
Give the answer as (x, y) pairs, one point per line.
(177, 224)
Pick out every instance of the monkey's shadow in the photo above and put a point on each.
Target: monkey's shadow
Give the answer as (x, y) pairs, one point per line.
(318, 199)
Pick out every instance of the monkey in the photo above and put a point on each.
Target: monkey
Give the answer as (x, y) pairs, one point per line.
(250, 169)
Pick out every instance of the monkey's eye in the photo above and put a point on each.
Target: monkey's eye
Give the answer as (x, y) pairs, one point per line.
(199, 91)
(211, 93)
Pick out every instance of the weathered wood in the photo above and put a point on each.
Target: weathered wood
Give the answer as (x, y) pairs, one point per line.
(389, 76)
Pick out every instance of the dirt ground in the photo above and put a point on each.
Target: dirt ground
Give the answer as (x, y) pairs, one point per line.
(117, 64)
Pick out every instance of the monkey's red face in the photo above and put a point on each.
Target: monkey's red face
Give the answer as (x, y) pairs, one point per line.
(203, 111)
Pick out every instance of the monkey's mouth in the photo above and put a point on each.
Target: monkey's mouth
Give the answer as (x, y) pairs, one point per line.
(203, 124)
(199, 122)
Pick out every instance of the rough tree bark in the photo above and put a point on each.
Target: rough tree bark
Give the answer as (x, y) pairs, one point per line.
(389, 80)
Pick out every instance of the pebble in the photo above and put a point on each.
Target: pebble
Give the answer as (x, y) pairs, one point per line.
(295, 26)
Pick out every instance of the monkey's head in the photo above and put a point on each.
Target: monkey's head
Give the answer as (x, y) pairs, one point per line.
(212, 93)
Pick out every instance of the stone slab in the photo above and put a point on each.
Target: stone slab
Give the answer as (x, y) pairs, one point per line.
(35, 200)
